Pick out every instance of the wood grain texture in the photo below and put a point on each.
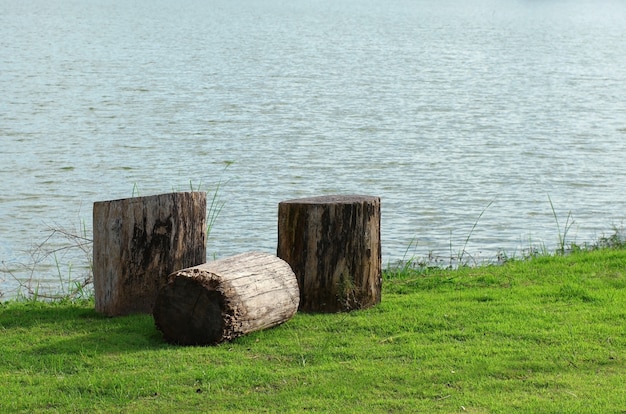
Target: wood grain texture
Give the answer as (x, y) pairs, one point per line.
(332, 244)
(138, 242)
(224, 299)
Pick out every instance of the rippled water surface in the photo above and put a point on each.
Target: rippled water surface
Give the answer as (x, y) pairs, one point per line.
(445, 109)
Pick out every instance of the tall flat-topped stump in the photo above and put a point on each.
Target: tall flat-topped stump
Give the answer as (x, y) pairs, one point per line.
(332, 243)
(138, 242)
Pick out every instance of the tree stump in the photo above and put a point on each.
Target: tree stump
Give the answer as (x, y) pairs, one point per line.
(333, 246)
(138, 242)
(222, 300)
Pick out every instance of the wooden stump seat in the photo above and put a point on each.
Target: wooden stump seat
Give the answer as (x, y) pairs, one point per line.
(138, 242)
(332, 244)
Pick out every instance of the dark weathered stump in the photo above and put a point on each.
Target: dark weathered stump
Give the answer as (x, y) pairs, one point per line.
(138, 242)
(221, 300)
(333, 246)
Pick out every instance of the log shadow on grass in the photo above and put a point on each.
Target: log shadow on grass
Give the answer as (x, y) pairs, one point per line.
(71, 329)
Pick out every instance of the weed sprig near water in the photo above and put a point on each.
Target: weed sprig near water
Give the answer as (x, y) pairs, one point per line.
(56, 255)
(616, 240)
(541, 335)
(464, 258)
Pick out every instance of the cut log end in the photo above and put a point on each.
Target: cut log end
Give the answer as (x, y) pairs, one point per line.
(189, 313)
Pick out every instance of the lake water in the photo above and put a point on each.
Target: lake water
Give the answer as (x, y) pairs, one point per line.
(450, 111)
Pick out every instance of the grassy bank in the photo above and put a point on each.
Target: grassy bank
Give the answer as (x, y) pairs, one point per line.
(546, 334)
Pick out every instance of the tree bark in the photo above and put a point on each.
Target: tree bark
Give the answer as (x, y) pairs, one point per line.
(138, 242)
(333, 246)
(222, 300)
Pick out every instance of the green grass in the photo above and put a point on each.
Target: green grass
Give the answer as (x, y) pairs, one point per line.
(544, 335)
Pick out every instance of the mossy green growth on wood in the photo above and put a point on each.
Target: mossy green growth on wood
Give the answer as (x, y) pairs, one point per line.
(540, 335)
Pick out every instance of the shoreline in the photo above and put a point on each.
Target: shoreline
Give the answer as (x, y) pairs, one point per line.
(66, 286)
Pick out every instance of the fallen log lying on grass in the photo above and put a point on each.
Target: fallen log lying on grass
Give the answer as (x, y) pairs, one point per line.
(221, 300)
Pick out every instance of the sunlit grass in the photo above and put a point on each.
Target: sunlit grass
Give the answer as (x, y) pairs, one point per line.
(540, 335)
